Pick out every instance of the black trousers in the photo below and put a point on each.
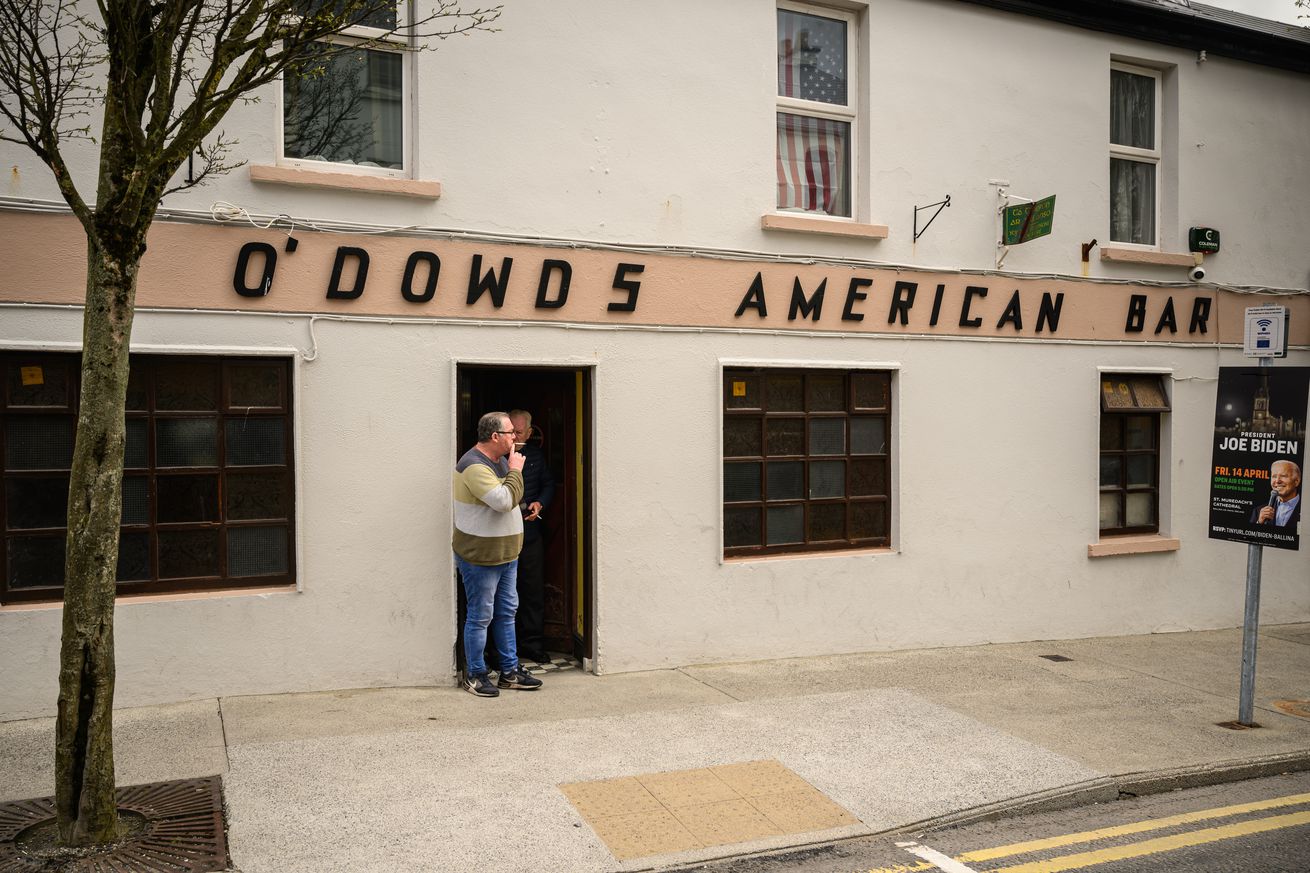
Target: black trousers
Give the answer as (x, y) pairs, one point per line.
(530, 623)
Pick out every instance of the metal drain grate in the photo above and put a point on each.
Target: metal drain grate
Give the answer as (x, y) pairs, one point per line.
(184, 831)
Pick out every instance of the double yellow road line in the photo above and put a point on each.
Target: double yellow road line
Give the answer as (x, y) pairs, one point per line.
(1153, 846)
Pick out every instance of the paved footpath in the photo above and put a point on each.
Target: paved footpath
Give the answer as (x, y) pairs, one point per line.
(436, 779)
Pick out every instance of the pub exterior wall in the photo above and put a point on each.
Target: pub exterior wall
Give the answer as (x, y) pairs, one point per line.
(655, 128)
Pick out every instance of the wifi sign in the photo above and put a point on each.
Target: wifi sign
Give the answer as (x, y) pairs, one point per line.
(1266, 332)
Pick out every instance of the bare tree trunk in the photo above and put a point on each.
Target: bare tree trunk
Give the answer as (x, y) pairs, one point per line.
(84, 753)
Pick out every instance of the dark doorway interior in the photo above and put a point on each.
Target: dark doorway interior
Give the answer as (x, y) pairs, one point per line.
(560, 402)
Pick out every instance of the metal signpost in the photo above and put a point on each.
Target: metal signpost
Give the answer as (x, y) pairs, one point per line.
(1242, 452)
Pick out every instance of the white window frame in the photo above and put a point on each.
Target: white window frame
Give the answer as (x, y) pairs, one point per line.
(376, 39)
(815, 109)
(1153, 156)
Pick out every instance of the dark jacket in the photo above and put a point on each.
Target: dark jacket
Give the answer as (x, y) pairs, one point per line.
(538, 484)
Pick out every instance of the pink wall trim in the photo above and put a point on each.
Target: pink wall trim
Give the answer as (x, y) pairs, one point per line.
(428, 190)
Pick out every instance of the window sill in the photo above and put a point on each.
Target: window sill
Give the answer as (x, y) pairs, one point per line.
(1144, 256)
(1132, 544)
(826, 226)
(876, 551)
(426, 190)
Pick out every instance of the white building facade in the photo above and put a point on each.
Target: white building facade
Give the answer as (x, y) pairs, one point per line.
(683, 235)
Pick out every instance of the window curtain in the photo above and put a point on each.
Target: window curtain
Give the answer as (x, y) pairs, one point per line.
(813, 164)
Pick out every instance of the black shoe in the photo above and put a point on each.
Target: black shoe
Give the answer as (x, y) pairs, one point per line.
(481, 686)
(518, 679)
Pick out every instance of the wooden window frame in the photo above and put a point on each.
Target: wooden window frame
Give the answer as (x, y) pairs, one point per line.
(1143, 400)
(763, 414)
(143, 407)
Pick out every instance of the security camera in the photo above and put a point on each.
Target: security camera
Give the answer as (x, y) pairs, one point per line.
(1197, 273)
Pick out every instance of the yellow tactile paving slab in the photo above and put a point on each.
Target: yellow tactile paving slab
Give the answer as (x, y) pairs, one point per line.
(658, 813)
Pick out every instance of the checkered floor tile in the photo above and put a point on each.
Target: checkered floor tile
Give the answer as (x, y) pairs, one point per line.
(556, 663)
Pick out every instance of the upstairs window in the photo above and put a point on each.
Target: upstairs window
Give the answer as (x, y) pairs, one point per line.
(815, 110)
(1134, 155)
(347, 104)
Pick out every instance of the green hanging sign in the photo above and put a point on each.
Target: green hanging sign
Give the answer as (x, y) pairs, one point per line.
(1027, 221)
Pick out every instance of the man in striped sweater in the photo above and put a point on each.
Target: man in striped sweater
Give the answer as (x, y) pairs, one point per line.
(486, 489)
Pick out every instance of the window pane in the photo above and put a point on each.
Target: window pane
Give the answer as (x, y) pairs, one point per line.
(1110, 514)
(1132, 201)
(1132, 109)
(827, 436)
(1140, 510)
(186, 498)
(827, 479)
(870, 390)
(786, 480)
(136, 500)
(785, 436)
(741, 438)
(1111, 467)
(36, 502)
(256, 385)
(256, 495)
(741, 482)
(133, 556)
(868, 478)
(255, 441)
(741, 390)
(135, 453)
(827, 521)
(346, 107)
(36, 562)
(868, 520)
(1140, 431)
(784, 393)
(814, 165)
(39, 442)
(786, 525)
(1112, 438)
(826, 393)
(185, 554)
(811, 57)
(868, 435)
(186, 442)
(137, 393)
(741, 526)
(182, 385)
(39, 382)
(1141, 470)
(256, 551)
(383, 17)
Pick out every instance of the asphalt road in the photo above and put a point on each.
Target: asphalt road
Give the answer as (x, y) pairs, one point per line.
(1259, 825)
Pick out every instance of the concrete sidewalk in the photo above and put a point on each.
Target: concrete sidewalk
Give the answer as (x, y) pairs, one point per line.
(436, 779)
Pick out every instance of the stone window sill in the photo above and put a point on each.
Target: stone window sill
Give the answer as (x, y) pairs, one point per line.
(162, 597)
(826, 226)
(1135, 544)
(422, 189)
(1143, 256)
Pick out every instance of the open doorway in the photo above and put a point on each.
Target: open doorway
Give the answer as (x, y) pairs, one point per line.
(559, 399)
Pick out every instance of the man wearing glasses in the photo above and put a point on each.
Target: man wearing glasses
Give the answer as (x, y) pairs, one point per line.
(488, 535)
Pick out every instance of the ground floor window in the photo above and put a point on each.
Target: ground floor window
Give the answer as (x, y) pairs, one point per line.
(207, 485)
(806, 460)
(1132, 405)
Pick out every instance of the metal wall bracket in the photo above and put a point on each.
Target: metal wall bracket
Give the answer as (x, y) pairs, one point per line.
(941, 204)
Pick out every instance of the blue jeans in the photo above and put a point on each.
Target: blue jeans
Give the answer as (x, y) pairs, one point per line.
(493, 598)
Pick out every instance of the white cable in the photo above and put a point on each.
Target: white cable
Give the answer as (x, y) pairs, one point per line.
(222, 212)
